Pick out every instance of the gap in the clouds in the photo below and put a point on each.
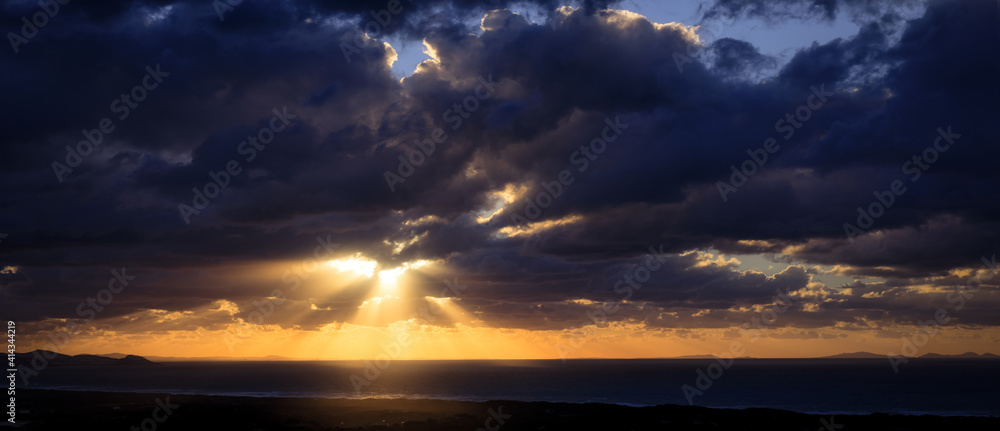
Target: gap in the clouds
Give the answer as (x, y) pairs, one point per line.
(769, 267)
(409, 54)
(756, 262)
(835, 281)
(780, 40)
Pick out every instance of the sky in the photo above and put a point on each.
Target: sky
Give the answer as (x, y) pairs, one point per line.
(455, 179)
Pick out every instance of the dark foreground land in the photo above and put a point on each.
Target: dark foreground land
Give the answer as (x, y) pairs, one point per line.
(55, 410)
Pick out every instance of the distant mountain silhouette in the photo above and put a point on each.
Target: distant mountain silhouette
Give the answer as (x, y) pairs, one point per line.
(231, 358)
(59, 360)
(114, 355)
(705, 357)
(869, 355)
(963, 355)
(855, 355)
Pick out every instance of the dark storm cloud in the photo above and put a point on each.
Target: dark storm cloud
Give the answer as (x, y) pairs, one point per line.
(736, 57)
(677, 125)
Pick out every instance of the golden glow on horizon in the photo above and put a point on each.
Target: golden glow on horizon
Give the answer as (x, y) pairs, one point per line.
(346, 341)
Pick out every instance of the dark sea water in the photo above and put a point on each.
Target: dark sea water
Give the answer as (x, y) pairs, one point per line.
(923, 386)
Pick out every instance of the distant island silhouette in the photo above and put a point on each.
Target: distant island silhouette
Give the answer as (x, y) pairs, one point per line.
(60, 360)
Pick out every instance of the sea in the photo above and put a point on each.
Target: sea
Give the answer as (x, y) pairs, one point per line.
(946, 387)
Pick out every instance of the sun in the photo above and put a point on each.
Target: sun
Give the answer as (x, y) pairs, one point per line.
(357, 264)
(391, 276)
(362, 265)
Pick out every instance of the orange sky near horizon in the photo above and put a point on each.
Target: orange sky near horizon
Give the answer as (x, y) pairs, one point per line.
(317, 315)
(360, 343)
